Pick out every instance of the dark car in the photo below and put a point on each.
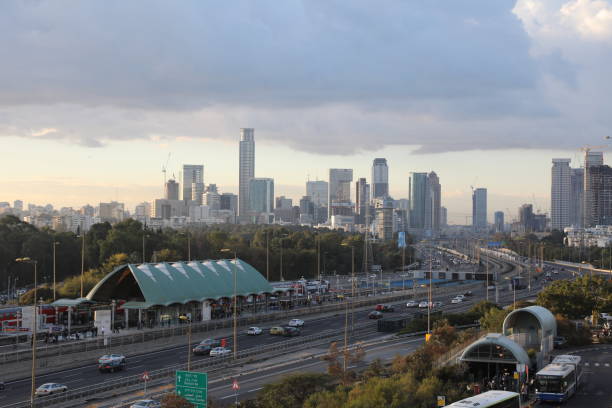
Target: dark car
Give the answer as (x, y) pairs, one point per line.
(384, 308)
(211, 342)
(290, 331)
(375, 314)
(559, 342)
(468, 293)
(202, 350)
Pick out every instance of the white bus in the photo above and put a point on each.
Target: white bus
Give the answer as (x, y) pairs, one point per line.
(490, 399)
(559, 380)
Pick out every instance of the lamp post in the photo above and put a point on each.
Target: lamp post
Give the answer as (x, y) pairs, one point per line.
(182, 317)
(55, 244)
(281, 257)
(82, 259)
(267, 256)
(33, 387)
(235, 304)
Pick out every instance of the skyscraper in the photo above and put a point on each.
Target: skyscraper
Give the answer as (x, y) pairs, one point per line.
(443, 217)
(526, 219)
(589, 213)
(384, 218)
(499, 221)
(340, 192)
(479, 209)
(417, 190)
(192, 178)
(561, 174)
(598, 186)
(317, 191)
(576, 213)
(261, 199)
(433, 201)
(172, 190)
(380, 178)
(362, 194)
(246, 169)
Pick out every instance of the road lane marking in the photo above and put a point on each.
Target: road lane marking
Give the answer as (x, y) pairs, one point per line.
(255, 389)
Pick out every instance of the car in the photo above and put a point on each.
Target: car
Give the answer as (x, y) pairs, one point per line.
(423, 304)
(437, 304)
(491, 287)
(384, 308)
(559, 342)
(460, 297)
(220, 352)
(468, 293)
(375, 314)
(111, 363)
(201, 350)
(254, 331)
(456, 300)
(290, 331)
(296, 323)
(211, 342)
(50, 388)
(412, 303)
(2, 385)
(277, 331)
(146, 403)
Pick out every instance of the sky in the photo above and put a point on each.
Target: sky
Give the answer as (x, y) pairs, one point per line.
(95, 97)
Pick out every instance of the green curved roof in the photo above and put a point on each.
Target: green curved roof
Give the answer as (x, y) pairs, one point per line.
(165, 283)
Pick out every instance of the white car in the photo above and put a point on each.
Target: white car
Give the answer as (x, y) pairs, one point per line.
(146, 403)
(254, 331)
(219, 351)
(460, 297)
(412, 303)
(423, 304)
(50, 388)
(296, 323)
(456, 300)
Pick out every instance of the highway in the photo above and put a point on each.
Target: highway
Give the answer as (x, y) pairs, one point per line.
(17, 391)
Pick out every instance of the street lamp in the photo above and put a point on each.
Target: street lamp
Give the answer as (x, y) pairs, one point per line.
(33, 388)
(55, 244)
(282, 237)
(183, 317)
(82, 259)
(235, 303)
(188, 236)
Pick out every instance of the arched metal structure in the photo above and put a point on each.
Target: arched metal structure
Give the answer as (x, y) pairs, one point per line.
(532, 327)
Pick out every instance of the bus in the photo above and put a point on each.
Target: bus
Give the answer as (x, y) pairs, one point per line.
(490, 399)
(559, 380)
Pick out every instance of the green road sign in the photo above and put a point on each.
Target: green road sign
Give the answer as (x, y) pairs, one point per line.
(193, 387)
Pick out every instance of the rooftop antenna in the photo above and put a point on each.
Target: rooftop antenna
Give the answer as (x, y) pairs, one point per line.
(164, 168)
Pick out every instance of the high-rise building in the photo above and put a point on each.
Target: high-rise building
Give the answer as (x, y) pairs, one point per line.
(261, 199)
(340, 192)
(499, 221)
(418, 191)
(111, 212)
(598, 188)
(576, 205)
(246, 169)
(433, 201)
(317, 191)
(479, 209)
(526, 219)
(590, 210)
(172, 190)
(443, 217)
(192, 177)
(384, 218)
(362, 199)
(307, 210)
(18, 205)
(561, 174)
(212, 199)
(229, 201)
(380, 178)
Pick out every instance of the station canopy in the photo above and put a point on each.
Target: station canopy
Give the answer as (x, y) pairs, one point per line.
(495, 348)
(530, 318)
(162, 284)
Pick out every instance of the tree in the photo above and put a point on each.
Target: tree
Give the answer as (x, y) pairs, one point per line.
(174, 401)
(493, 319)
(293, 391)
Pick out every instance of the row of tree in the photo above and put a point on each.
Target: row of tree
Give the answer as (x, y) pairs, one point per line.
(305, 251)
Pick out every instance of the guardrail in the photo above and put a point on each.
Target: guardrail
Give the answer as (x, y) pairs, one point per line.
(181, 330)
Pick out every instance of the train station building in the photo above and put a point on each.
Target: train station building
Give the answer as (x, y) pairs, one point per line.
(158, 293)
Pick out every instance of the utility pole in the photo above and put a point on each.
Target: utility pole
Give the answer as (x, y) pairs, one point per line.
(429, 306)
(55, 244)
(82, 259)
(267, 257)
(34, 330)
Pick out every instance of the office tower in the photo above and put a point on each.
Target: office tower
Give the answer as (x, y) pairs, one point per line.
(229, 201)
(212, 200)
(526, 217)
(362, 198)
(339, 195)
(111, 212)
(192, 178)
(499, 221)
(380, 178)
(560, 193)
(261, 199)
(576, 204)
(284, 202)
(590, 212)
(384, 218)
(598, 187)
(433, 201)
(18, 205)
(317, 191)
(593, 159)
(246, 169)
(479, 209)
(443, 217)
(172, 190)
(418, 192)
(88, 210)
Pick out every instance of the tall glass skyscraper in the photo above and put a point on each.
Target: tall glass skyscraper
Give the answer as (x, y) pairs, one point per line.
(380, 178)
(192, 181)
(246, 169)
(479, 209)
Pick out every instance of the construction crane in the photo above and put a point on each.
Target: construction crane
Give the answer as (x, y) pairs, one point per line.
(165, 166)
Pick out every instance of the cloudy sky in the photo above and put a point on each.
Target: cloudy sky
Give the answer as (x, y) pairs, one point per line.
(95, 95)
